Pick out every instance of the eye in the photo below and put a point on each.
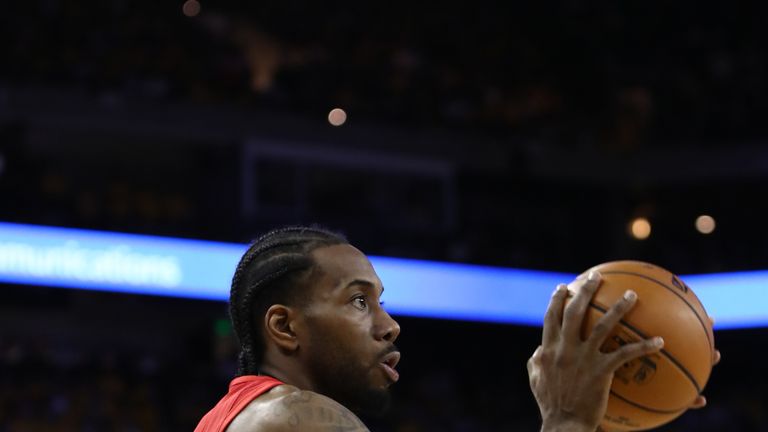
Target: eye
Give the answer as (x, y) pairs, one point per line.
(360, 302)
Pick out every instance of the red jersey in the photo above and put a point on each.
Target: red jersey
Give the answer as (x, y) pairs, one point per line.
(242, 391)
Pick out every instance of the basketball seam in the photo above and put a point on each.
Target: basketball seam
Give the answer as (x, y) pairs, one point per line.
(662, 351)
(643, 407)
(673, 291)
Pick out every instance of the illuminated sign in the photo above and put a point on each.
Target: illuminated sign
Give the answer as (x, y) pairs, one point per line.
(64, 257)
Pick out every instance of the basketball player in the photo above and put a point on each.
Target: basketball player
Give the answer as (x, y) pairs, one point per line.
(317, 348)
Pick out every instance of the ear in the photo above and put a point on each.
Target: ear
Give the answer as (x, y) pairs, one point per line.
(280, 327)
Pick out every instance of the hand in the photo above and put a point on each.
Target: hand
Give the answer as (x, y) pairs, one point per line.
(701, 401)
(570, 378)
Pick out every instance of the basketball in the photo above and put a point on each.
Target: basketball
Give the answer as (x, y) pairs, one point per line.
(655, 389)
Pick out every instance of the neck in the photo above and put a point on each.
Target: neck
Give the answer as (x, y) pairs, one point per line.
(287, 375)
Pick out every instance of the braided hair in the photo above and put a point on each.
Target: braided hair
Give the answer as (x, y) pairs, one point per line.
(268, 273)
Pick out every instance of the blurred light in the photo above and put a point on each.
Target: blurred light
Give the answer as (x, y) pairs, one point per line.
(222, 327)
(191, 8)
(337, 117)
(140, 264)
(705, 224)
(640, 228)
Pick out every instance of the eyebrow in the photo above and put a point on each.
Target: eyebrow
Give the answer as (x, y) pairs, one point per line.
(364, 282)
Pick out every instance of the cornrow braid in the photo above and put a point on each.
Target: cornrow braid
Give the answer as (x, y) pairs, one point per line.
(269, 273)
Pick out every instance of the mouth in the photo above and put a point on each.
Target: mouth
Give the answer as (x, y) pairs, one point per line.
(388, 363)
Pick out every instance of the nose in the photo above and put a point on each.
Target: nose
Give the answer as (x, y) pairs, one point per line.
(388, 329)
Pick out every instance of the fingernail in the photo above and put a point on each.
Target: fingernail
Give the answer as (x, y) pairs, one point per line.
(658, 341)
(558, 289)
(593, 276)
(630, 295)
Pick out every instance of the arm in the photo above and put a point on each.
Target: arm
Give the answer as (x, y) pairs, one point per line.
(570, 378)
(299, 410)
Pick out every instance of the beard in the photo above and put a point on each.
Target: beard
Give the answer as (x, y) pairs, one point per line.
(340, 375)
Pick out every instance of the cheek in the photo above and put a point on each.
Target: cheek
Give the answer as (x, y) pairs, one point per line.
(341, 338)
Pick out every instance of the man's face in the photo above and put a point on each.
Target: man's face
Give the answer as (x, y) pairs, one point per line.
(348, 345)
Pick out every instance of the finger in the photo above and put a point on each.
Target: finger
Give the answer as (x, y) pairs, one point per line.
(634, 350)
(700, 402)
(608, 322)
(553, 319)
(717, 357)
(533, 365)
(574, 312)
(534, 360)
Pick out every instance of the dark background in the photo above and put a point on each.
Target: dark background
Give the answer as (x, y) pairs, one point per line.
(502, 133)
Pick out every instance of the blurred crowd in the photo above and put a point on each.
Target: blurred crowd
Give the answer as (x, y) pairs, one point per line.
(575, 74)
(615, 75)
(444, 388)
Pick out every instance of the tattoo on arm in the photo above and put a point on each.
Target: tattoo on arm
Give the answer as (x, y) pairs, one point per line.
(311, 411)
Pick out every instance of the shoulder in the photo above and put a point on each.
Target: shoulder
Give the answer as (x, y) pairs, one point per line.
(287, 408)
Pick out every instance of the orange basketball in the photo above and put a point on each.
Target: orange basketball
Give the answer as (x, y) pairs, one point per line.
(655, 389)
